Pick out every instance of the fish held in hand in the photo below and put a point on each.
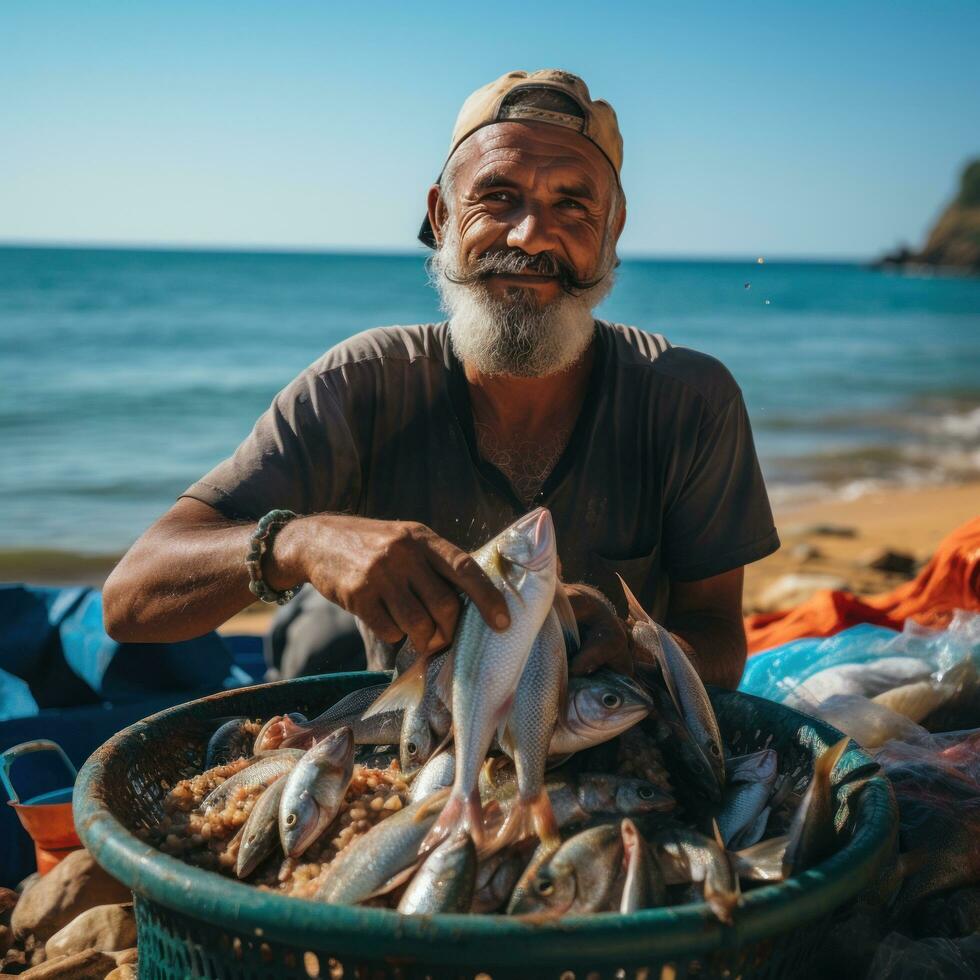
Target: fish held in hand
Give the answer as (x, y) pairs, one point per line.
(487, 664)
(446, 880)
(314, 791)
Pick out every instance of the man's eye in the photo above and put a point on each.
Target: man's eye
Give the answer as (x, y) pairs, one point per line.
(497, 196)
(570, 203)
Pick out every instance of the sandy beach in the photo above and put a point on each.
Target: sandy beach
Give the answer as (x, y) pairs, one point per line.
(904, 521)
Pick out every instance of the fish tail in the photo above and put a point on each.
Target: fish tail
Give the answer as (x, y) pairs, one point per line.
(403, 693)
(723, 902)
(526, 818)
(633, 604)
(460, 814)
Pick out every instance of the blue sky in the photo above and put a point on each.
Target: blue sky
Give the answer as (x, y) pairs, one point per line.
(784, 129)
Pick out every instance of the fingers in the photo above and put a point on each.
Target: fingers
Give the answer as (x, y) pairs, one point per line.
(375, 615)
(462, 570)
(442, 605)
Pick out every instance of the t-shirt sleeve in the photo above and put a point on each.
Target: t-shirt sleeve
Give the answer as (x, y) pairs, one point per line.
(719, 516)
(301, 456)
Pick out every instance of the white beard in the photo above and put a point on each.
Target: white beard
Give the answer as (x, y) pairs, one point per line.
(513, 334)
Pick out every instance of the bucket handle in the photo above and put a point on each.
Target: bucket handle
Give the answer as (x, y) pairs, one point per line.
(8, 756)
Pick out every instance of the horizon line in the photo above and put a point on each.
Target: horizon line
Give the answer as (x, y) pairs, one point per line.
(385, 251)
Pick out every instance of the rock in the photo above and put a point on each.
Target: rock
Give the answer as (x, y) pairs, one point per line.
(106, 928)
(72, 887)
(90, 964)
(886, 560)
(125, 972)
(805, 551)
(791, 590)
(821, 530)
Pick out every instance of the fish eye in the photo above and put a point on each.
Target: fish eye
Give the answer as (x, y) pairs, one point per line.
(645, 792)
(413, 749)
(543, 887)
(250, 839)
(290, 819)
(714, 750)
(611, 700)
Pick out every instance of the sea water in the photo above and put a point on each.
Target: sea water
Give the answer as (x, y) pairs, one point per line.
(127, 374)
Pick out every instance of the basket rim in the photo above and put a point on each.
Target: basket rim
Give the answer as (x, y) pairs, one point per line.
(668, 933)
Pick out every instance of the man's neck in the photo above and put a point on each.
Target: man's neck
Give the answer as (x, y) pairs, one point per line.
(528, 407)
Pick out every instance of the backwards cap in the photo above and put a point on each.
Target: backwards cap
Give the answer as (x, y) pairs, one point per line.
(496, 102)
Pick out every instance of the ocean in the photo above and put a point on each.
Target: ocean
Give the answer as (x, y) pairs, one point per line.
(126, 374)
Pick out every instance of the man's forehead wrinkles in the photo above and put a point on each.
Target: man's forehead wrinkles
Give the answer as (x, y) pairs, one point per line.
(494, 168)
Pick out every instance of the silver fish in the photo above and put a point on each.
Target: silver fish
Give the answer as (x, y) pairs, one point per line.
(347, 712)
(745, 805)
(382, 859)
(599, 707)
(437, 773)
(314, 791)
(597, 793)
(762, 861)
(528, 731)
(496, 877)
(487, 665)
(644, 887)
(259, 774)
(579, 877)
(418, 737)
(686, 855)
(260, 835)
(688, 696)
(812, 834)
(445, 882)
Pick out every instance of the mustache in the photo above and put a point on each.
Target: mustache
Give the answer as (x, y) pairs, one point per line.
(514, 261)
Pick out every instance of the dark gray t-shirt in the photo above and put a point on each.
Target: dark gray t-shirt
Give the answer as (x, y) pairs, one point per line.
(659, 480)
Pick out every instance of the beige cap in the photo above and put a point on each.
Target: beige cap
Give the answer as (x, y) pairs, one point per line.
(493, 103)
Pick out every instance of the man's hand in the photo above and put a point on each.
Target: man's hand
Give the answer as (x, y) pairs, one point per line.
(605, 639)
(399, 577)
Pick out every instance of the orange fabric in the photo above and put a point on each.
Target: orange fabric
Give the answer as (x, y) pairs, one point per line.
(949, 582)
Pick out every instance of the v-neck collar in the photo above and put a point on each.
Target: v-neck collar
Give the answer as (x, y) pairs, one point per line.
(459, 395)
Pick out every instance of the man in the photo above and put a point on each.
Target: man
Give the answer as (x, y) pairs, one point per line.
(407, 447)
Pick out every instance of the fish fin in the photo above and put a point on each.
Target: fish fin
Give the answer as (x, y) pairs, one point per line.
(533, 818)
(490, 767)
(295, 736)
(723, 903)
(633, 604)
(569, 625)
(461, 813)
(716, 833)
(395, 881)
(406, 692)
(431, 803)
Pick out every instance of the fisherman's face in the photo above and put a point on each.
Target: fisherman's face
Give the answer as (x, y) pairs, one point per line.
(534, 190)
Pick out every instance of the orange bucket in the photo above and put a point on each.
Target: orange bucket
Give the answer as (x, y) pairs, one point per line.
(47, 817)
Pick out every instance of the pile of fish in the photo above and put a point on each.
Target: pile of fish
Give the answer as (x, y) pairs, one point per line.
(485, 779)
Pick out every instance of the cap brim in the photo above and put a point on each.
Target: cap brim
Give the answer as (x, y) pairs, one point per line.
(426, 235)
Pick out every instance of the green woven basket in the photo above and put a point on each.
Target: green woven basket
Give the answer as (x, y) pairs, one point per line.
(196, 923)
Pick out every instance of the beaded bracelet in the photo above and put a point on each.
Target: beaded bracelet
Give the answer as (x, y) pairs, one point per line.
(260, 542)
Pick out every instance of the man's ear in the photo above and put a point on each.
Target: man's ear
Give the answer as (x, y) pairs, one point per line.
(438, 212)
(620, 222)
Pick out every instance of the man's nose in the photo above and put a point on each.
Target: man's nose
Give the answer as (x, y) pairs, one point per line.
(533, 233)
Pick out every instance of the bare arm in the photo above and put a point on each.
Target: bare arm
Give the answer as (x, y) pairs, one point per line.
(705, 618)
(186, 575)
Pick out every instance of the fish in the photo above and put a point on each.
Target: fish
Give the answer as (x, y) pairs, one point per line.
(383, 858)
(417, 736)
(347, 712)
(687, 695)
(745, 804)
(644, 887)
(762, 861)
(260, 835)
(591, 794)
(487, 664)
(438, 772)
(446, 880)
(315, 790)
(685, 855)
(230, 741)
(272, 733)
(579, 877)
(496, 877)
(599, 707)
(528, 731)
(259, 774)
(812, 834)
